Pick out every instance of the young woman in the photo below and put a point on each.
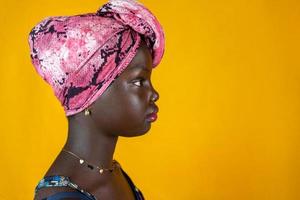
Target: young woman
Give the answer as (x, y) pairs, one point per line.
(99, 66)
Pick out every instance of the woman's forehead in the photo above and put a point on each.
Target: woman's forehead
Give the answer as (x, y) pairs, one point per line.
(142, 59)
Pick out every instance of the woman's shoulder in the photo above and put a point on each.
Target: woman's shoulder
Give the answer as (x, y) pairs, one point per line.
(61, 187)
(58, 188)
(62, 195)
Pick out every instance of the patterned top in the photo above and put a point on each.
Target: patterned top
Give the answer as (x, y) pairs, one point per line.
(62, 181)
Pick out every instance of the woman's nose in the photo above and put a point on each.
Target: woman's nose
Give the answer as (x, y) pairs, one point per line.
(155, 95)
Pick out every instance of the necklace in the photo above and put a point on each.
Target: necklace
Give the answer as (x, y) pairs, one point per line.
(91, 166)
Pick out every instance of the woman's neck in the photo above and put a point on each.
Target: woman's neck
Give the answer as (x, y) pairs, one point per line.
(91, 144)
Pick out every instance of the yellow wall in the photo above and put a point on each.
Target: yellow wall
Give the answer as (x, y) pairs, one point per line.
(229, 84)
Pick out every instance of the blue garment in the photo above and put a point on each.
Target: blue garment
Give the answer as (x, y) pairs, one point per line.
(62, 181)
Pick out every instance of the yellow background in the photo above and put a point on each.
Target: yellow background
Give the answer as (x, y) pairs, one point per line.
(229, 84)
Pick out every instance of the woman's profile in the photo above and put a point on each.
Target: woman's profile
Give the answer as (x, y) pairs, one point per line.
(99, 66)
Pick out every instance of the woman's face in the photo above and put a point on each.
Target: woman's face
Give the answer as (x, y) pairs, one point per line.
(123, 108)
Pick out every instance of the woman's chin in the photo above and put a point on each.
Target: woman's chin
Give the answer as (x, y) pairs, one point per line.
(142, 131)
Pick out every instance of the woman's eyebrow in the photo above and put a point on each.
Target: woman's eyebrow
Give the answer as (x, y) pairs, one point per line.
(139, 68)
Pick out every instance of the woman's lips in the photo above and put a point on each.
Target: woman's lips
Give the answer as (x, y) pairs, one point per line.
(152, 117)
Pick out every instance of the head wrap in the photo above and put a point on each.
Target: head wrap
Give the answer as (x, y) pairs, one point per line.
(80, 56)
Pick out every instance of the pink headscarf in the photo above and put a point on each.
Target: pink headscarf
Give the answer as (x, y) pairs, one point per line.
(80, 56)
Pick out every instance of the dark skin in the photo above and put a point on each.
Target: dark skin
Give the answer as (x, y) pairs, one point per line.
(120, 111)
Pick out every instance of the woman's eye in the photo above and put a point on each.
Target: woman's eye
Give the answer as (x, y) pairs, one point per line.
(138, 82)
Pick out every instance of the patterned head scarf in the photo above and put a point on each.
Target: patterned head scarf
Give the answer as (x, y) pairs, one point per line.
(80, 56)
